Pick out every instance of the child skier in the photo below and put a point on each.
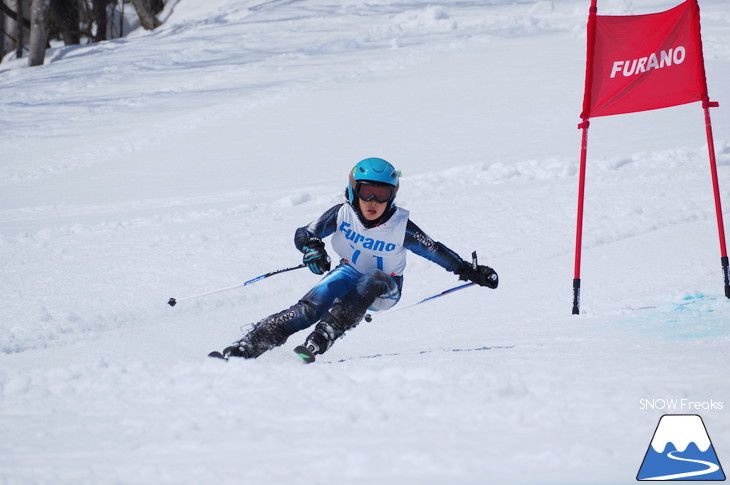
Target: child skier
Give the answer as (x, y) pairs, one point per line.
(371, 235)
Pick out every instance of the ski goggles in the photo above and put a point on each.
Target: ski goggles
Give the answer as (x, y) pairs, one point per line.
(379, 193)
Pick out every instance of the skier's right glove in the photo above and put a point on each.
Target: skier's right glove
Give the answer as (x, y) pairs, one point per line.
(481, 275)
(315, 256)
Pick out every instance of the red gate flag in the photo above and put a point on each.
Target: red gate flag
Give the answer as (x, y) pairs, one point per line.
(637, 63)
(644, 62)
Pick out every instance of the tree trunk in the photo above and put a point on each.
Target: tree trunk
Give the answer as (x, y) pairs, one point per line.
(146, 16)
(2, 34)
(65, 15)
(157, 6)
(20, 31)
(38, 32)
(100, 19)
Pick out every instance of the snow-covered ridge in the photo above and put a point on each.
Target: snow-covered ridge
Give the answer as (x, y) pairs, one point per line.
(681, 430)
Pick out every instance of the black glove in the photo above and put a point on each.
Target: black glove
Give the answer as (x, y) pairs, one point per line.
(315, 256)
(480, 275)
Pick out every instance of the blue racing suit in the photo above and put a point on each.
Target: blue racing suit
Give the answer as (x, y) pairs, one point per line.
(347, 292)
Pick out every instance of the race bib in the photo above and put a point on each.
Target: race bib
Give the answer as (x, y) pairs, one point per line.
(379, 247)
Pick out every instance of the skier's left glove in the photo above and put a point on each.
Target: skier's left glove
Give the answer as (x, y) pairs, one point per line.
(481, 275)
(315, 256)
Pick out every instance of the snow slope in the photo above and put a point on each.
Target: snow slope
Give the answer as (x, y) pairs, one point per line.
(176, 162)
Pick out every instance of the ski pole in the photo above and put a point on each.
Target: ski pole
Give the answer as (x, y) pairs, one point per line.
(369, 317)
(173, 301)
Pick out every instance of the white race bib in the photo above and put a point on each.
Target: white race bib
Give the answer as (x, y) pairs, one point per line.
(379, 247)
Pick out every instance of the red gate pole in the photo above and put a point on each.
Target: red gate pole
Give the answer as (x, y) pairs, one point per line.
(579, 224)
(585, 115)
(706, 105)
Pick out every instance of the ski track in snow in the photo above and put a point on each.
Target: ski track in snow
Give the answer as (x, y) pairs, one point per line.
(711, 468)
(175, 162)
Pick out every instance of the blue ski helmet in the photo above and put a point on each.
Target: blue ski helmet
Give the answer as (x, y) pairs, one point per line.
(373, 172)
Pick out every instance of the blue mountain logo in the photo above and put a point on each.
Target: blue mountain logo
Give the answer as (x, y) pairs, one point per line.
(681, 450)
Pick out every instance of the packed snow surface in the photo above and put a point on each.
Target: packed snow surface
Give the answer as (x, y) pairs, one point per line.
(180, 161)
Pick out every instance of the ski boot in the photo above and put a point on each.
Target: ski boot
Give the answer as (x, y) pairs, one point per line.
(321, 339)
(262, 337)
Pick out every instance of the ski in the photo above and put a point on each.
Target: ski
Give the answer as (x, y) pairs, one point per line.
(398, 354)
(304, 353)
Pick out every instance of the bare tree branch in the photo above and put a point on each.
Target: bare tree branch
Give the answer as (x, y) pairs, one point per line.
(12, 14)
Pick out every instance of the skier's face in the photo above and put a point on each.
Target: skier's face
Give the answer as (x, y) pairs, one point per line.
(372, 209)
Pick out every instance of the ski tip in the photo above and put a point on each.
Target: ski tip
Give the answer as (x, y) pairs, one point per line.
(172, 302)
(304, 353)
(217, 355)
